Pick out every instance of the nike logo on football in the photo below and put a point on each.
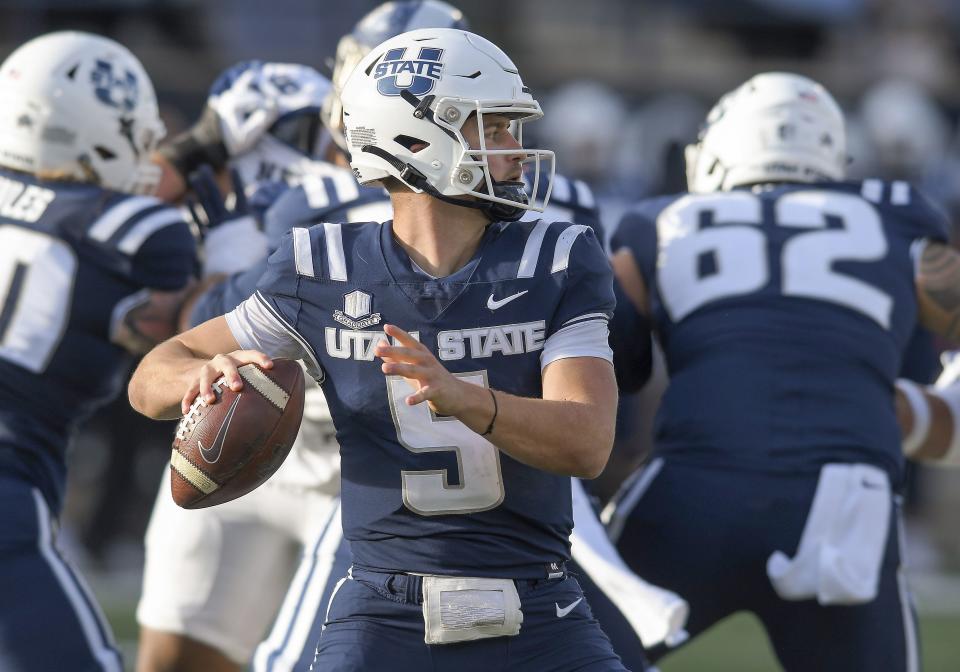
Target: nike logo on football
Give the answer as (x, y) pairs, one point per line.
(212, 454)
(566, 610)
(493, 303)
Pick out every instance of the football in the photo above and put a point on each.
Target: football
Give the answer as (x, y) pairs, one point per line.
(224, 450)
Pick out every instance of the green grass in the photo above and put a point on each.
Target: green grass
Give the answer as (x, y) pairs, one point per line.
(739, 645)
(736, 645)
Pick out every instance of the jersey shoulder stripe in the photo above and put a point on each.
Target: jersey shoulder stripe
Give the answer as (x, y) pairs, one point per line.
(877, 191)
(129, 222)
(565, 241)
(566, 192)
(119, 213)
(553, 238)
(325, 251)
(303, 252)
(336, 260)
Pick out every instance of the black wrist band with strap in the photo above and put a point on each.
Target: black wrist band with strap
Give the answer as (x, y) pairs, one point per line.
(496, 409)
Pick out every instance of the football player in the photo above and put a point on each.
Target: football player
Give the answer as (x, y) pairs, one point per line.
(260, 119)
(629, 609)
(783, 297)
(196, 612)
(94, 271)
(455, 475)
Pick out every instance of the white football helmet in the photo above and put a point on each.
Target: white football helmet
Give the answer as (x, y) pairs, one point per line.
(269, 119)
(419, 88)
(79, 106)
(777, 127)
(387, 20)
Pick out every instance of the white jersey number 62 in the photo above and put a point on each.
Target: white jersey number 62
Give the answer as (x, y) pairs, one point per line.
(739, 250)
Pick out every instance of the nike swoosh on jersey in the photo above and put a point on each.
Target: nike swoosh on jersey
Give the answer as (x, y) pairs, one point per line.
(212, 454)
(566, 610)
(493, 303)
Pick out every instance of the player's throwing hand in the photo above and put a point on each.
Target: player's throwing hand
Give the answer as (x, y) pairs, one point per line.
(444, 392)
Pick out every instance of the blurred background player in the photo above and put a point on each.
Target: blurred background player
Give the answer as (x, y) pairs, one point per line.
(784, 299)
(93, 273)
(197, 611)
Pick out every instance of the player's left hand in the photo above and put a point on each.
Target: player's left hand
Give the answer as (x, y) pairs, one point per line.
(445, 393)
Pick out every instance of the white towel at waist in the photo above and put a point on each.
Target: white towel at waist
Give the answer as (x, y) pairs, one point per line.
(844, 539)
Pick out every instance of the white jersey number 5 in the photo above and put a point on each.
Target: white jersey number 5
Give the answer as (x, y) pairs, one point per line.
(739, 250)
(429, 493)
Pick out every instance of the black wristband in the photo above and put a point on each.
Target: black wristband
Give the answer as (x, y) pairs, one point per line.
(496, 409)
(201, 143)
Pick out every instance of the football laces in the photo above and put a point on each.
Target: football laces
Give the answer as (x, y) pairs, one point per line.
(188, 421)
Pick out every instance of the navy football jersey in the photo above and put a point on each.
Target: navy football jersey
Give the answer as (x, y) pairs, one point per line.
(74, 257)
(327, 194)
(783, 312)
(423, 493)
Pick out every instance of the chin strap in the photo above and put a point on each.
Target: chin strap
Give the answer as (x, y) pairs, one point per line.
(495, 212)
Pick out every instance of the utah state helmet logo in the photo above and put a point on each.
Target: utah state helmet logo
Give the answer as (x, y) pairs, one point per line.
(116, 89)
(418, 76)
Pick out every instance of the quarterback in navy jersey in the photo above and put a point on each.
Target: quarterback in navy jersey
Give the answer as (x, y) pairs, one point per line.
(94, 274)
(784, 299)
(497, 373)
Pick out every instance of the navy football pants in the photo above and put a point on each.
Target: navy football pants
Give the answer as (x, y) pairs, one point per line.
(706, 533)
(375, 623)
(48, 619)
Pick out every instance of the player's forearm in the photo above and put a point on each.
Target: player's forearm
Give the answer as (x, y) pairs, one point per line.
(927, 423)
(158, 384)
(563, 437)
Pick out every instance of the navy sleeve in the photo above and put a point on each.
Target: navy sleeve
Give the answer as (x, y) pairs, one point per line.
(638, 234)
(588, 290)
(264, 196)
(291, 209)
(916, 215)
(166, 260)
(279, 285)
(631, 342)
(590, 217)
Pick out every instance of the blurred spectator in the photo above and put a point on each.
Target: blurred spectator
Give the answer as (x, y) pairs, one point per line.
(908, 137)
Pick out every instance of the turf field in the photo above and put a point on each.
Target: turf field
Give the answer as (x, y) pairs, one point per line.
(736, 645)
(739, 645)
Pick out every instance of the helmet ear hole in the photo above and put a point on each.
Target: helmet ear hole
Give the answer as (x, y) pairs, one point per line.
(412, 145)
(104, 153)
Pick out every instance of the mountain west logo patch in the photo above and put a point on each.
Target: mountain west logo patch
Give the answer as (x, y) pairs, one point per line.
(418, 76)
(114, 89)
(356, 311)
